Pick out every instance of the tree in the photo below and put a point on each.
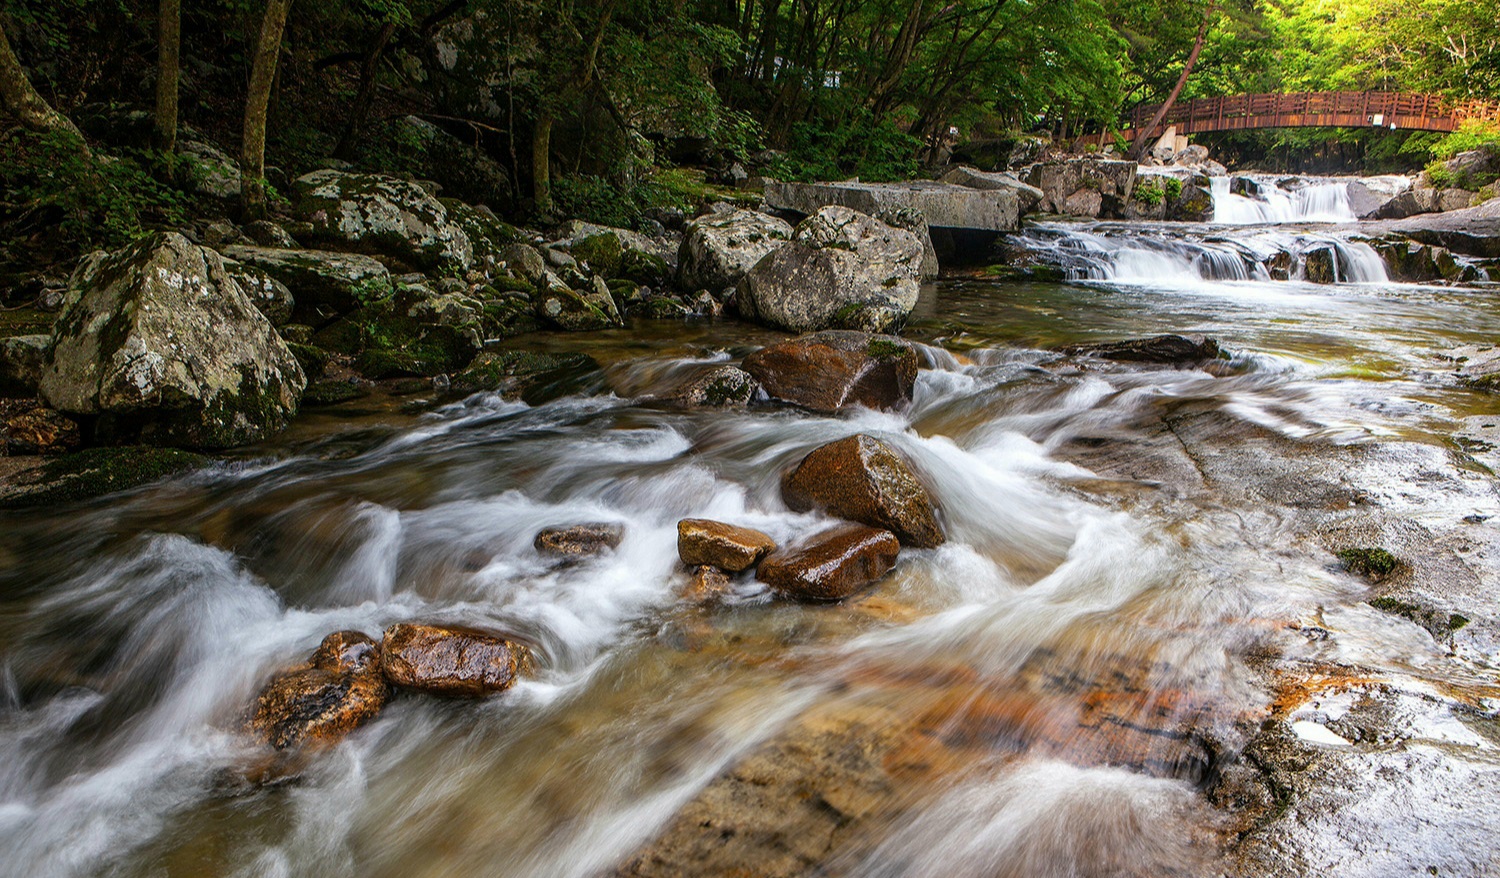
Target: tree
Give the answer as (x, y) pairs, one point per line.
(1143, 137)
(257, 100)
(23, 101)
(168, 72)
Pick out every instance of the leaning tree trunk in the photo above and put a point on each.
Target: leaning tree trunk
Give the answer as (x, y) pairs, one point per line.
(257, 99)
(541, 163)
(168, 73)
(1143, 137)
(21, 99)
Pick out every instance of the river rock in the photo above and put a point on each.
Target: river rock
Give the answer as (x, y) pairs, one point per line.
(452, 661)
(379, 214)
(160, 341)
(268, 294)
(832, 565)
(1474, 231)
(829, 371)
(1028, 196)
(1180, 350)
(1077, 186)
(39, 430)
(842, 270)
(21, 359)
(719, 386)
(860, 478)
(706, 582)
(719, 248)
(320, 281)
(577, 310)
(725, 546)
(339, 689)
(269, 234)
(576, 540)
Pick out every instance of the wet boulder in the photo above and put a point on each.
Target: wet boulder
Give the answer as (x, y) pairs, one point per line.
(21, 359)
(832, 565)
(718, 249)
(829, 371)
(1177, 350)
(842, 270)
(374, 213)
(1078, 186)
(339, 689)
(719, 386)
(323, 284)
(451, 661)
(1320, 265)
(705, 583)
(160, 342)
(701, 541)
(578, 540)
(860, 478)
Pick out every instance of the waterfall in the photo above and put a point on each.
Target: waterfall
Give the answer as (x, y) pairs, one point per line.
(1318, 202)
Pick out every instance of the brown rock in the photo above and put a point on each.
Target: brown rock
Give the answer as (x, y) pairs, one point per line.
(1171, 349)
(718, 387)
(347, 652)
(832, 565)
(827, 371)
(865, 480)
(442, 660)
(730, 548)
(706, 583)
(577, 540)
(315, 705)
(39, 431)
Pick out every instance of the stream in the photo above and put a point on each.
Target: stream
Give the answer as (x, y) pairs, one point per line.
(1054, 692)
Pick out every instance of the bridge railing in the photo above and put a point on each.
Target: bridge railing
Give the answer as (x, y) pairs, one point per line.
(1333, 108)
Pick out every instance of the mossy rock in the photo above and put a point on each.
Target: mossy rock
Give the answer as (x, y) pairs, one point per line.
(326, 393)
(487, 234)
(534, 377)
(1440, 624)
(1372, 562)
(513, 285)
(314, 360)
(387, 343)
(644, 268)
(603, 253)
(96, 472)
(661, 308)
(504, 318)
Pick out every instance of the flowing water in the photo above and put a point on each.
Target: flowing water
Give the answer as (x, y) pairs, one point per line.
(1038, 692)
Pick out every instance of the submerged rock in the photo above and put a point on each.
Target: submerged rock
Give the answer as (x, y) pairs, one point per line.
(862, 479)
(716, 544)
(94, 472)
(718, 249)
(841, 270)
(337, 691)
(1170, 349)
(828, 371)
(451, 661)
(706, 582)
(577, 540)
(832, 565)
(160, 342)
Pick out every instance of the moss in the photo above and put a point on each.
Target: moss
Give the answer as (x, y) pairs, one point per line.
(644, 268)
(98, 471)
(603, 253)
(314, 360)
(1437, 624)
(517, 372)
(1457, 621)
(513, 285)
(1150, 192)
(1368, 561)
(885, 349)
(1172, 188)
(323, 393)
(661, 308)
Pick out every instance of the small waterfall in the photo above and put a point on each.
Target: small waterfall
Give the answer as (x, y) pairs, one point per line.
(1318, 202)
(1143, 254)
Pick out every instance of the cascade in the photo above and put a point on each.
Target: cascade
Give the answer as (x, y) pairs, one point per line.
(1318, 202)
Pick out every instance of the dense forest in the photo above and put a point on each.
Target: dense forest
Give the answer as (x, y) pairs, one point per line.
(550, 108)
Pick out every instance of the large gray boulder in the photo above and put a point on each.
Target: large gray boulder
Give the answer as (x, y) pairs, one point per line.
(842, 270)
(211, 170)
(718, 249)
(378, 214)
(268, 294)
(160, 342)
(1473, 231)
(1078, 187)
(943, 205)
(1029, 196)
(331, 283)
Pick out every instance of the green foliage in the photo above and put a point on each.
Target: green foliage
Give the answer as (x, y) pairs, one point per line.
(1173, 188)
(1150, 192)
(1368, 561)
(1473, 134)
(96, 200)
(864, 148)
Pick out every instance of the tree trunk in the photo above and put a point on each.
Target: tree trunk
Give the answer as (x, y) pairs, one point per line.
(23, 102)
(1143, 137)
(168, 72)
(541, 164)
(349, 139)
(257, 99)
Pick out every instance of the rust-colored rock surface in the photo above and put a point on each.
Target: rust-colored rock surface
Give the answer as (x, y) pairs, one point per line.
(725, 546)
(452, 661)
(832, 565)
(828, 371)
(339, 690)
(862, 479)
(706, 583)
(575, 541)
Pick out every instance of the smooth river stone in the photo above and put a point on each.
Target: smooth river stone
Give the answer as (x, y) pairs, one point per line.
(725, 546)
(833, 565)
(828, 371)
(452, 661)
(1171, 349)
(577, 540)
(862, 479)
(338, 691)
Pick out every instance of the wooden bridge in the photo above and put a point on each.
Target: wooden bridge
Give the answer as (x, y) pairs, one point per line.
(1318, 109)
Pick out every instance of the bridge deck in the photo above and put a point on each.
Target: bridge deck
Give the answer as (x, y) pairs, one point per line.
(1324, 109)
